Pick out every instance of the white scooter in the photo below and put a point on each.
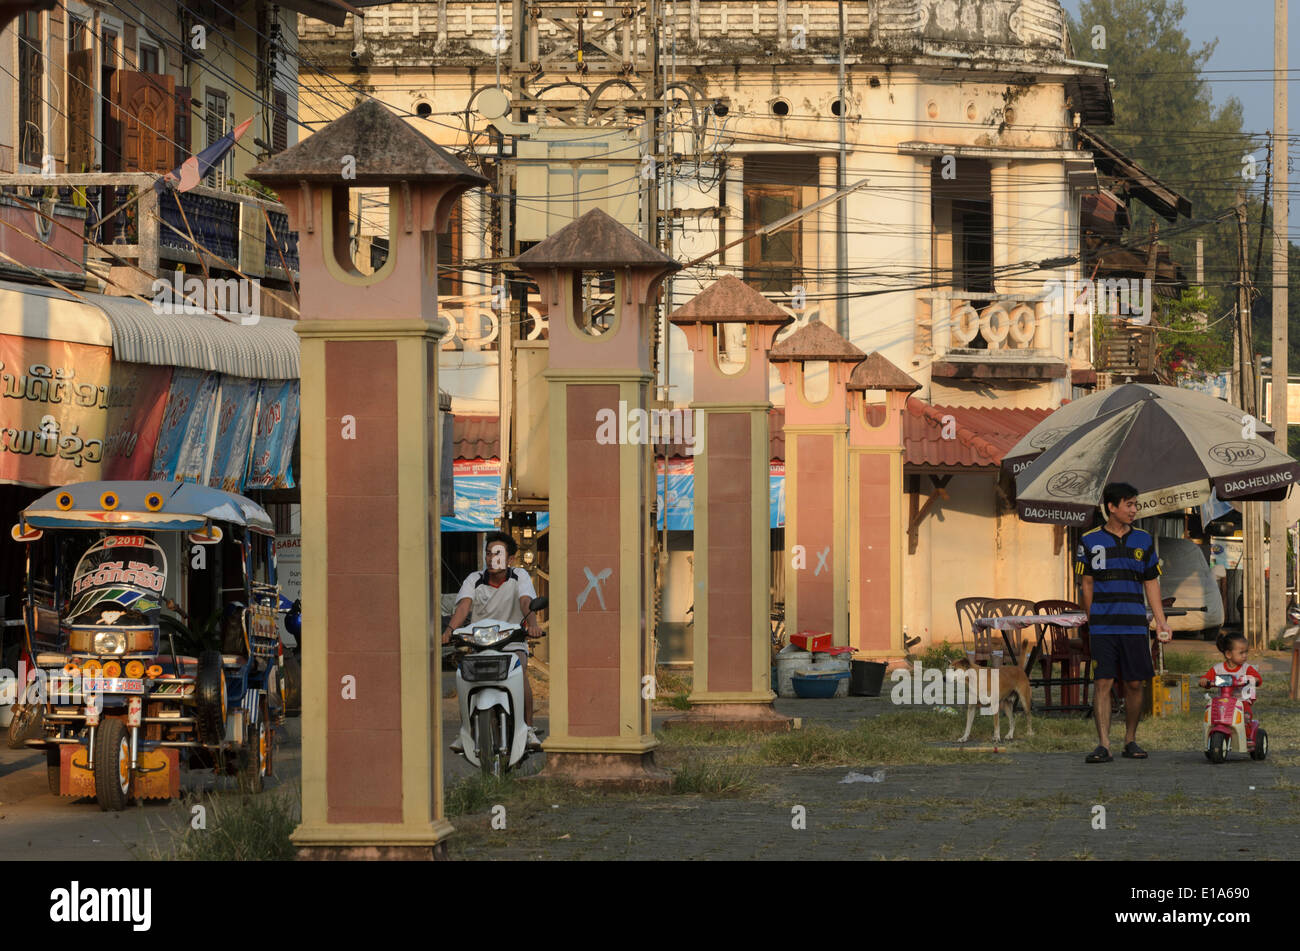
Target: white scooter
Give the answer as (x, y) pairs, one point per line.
(490, 691)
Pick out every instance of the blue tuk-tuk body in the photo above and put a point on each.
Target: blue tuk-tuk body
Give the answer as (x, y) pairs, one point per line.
(152, 637)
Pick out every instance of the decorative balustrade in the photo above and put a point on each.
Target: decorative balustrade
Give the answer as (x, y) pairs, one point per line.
(151, 228)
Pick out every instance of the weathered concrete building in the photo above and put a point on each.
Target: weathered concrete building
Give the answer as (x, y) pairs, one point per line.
(697, 122)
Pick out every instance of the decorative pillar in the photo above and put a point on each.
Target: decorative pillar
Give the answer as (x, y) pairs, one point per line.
(372, 733)
(876, 507)
(601, 484)
(733, 656)
(816, 476)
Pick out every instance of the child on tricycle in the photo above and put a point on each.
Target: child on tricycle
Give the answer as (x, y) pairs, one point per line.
(1229, 717)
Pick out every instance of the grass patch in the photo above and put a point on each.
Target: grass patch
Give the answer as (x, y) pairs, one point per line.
(1185, 662)
(718, 778)
(672, 689)
(476, 793)
(237, 829)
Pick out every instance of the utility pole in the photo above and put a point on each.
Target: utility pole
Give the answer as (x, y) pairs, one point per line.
(1277, 513)
(1245, 368)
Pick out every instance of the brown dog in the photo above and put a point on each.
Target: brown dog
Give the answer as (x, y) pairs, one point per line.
(1011, 681)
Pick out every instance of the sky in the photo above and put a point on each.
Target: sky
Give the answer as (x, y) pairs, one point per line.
(1244, 29)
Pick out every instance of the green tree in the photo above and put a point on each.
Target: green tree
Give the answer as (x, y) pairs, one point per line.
(1167, 121)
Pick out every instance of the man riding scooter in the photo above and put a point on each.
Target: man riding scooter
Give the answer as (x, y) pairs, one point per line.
(502, 593)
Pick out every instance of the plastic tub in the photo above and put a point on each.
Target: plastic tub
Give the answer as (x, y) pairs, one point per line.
(787, 665)
(818, 686)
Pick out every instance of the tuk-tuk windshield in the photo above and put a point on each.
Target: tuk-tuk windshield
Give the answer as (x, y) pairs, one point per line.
(123, 573)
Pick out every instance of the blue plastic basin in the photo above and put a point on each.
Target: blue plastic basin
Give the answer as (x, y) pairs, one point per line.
(817, 686)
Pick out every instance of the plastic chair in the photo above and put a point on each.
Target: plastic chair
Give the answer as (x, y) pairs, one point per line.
(1013, 607)
(977, 642)
(1067, 647)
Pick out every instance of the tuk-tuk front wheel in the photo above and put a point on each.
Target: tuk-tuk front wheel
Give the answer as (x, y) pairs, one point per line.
(255, 757)
(53, 769)
(210, 698)
(112, 765)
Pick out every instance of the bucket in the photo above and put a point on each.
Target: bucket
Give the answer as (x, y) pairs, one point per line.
(818, 686)
(787, 665)
(867, 678)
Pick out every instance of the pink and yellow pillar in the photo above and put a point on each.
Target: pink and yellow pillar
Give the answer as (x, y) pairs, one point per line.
(372, 724)
(601, 484)
(732, 563)
(877, 393)
(816, 478)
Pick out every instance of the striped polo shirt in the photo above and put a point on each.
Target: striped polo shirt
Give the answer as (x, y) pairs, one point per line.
(1118, 567)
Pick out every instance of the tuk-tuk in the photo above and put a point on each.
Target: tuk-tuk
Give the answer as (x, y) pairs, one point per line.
(152, 638)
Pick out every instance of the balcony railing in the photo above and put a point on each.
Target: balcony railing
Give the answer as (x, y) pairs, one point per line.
(153, 233)
(977, 323)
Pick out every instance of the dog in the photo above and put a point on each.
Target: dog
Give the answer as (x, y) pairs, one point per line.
(1012, 681)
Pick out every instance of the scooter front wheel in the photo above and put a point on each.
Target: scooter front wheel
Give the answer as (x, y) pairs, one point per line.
(488, 742)
(1218, 748)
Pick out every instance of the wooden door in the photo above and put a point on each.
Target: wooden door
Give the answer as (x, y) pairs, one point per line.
(81, 110)
(146, 105)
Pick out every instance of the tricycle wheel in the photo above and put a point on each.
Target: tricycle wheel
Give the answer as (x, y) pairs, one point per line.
(210, 698)
(485, 738)
(112, 765)
(1261, 745)
(1218, 748)
(53, 769)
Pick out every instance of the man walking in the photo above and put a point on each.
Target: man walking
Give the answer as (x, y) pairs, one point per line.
(1116, 565)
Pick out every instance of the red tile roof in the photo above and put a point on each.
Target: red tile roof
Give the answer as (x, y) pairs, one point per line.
(983, 435)
(477, 437)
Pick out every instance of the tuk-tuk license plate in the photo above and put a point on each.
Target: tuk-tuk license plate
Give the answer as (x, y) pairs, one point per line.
(112, 685)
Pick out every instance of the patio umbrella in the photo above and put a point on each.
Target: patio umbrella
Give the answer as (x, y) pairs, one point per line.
(1072, 415)
(1172, 452)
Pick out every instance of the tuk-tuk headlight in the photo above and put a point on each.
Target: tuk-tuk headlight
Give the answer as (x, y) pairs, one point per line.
(110, 642)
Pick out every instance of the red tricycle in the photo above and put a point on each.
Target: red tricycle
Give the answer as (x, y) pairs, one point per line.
(1226, 723)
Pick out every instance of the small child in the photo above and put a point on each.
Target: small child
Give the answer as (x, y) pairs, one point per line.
(1234, 647)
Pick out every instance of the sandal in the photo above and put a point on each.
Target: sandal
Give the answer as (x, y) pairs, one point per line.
(1133, 751)
(1099, 755)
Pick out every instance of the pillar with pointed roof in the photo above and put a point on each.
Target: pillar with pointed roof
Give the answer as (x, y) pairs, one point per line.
(732, 649)
(601, 481)
(371, 739)
(876, 506)
(816, 477)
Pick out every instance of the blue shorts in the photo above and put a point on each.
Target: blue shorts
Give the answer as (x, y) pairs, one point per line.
(1122, 656)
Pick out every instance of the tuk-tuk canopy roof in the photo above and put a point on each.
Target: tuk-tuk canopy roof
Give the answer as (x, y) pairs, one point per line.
(158, 506)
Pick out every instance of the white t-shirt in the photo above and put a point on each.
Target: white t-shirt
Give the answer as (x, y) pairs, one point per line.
(500, 603)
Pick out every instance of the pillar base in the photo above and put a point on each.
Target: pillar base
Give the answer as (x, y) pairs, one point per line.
(618, 772)
(761, 717)
(373, 853)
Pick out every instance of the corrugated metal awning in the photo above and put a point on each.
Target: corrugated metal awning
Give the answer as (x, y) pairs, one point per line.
(266, 350)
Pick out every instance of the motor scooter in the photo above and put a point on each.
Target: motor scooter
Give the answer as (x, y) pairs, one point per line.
(1226, 726)
(490, 692)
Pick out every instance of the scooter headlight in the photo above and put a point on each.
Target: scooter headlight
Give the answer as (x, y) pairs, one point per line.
(110, 642)
(489, 635)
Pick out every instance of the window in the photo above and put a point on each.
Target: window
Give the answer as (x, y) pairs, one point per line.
(214, 123)
(962, 215)
(450, 256)
(150, 59)
(31, 79)
(774, 186)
